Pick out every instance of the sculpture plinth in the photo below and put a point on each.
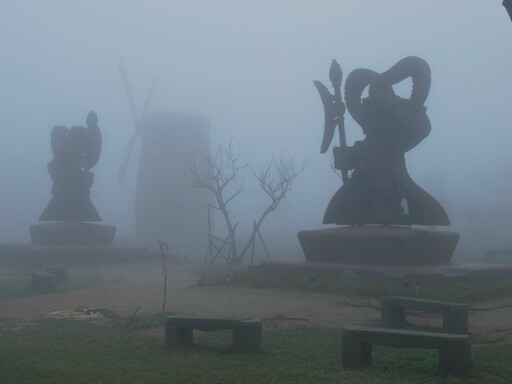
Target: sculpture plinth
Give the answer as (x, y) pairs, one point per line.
(72, 234)
(378, 245)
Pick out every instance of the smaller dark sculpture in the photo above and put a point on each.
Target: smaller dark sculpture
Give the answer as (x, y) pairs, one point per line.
(380, 186)
(75, 152)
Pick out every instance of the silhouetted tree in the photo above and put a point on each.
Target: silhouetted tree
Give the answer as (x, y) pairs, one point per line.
(222, 175)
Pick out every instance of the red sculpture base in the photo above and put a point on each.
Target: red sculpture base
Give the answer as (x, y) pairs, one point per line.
(71, 234)
(378, 245)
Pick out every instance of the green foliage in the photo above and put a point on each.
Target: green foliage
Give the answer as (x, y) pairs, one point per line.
(23, 287)
(150, 322)
(464, 289)
(80, 352)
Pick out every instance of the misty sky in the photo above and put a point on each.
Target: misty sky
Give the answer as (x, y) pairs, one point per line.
(248, 67)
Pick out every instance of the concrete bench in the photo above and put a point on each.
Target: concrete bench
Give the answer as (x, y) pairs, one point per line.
(454, 350)
(490, 254)
(247, 333)
(455, 315)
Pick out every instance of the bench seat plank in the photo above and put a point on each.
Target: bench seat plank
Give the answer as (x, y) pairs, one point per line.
(455, 315)
(423, 305)
(454, 349)
(405, 338)
(247, 332)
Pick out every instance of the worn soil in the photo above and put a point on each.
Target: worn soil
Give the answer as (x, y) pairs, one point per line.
(123, 289)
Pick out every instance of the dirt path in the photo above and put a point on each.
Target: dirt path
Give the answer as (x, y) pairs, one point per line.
(141, 286)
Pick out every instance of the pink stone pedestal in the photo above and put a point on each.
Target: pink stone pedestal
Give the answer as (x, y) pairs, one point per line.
(378, 245)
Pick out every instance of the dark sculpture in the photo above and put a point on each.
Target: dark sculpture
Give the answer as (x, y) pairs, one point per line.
(508, 6)
(380, 190)
(75, 152)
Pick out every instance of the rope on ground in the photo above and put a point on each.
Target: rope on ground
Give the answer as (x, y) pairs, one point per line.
(84, 313)
(362, 305)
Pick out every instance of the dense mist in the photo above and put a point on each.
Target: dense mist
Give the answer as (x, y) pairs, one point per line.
(248, 67)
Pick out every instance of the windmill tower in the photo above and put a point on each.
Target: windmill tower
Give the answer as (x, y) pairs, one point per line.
(167, 206)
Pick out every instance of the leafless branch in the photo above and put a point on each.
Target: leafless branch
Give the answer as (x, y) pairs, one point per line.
(275, 179)
(220, 174)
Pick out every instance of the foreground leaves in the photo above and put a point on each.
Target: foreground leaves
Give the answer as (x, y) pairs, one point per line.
(80, 352)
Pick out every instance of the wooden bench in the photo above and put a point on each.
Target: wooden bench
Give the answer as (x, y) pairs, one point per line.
(454, 350)
(490, 254)
(455, 315)
(247, 333)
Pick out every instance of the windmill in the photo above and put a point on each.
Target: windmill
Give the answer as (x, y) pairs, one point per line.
(167, 206)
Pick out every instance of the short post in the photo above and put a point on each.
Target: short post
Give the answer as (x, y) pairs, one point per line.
(177, 336)
(247, 336)
(355, 354)
(456, 359)
(455, 320)
(392, 316)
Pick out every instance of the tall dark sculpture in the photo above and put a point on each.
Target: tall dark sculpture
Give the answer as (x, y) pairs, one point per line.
(70, 213)
(378, 201)
(380, 190)
(76, 151)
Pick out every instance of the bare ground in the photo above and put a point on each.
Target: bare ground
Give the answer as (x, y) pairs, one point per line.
(141, 285)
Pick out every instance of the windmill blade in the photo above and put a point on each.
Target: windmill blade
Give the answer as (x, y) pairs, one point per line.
(131, 143)
(129, 94)
(126, 160)
(149, 98)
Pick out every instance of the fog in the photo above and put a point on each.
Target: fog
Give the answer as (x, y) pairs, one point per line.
(248, 67)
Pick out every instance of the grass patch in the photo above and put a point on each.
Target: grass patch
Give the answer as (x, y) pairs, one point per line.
(150, 322)
(81, 352)
(464, 289)
(23, 288)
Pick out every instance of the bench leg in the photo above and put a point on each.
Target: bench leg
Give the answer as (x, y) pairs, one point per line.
(175, 336)
(355, 354)
(455, 360)
(247, 336)
(393, 317)
(455, 321)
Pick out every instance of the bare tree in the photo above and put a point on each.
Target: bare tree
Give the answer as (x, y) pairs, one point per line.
(275, 179)
(221, 174)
